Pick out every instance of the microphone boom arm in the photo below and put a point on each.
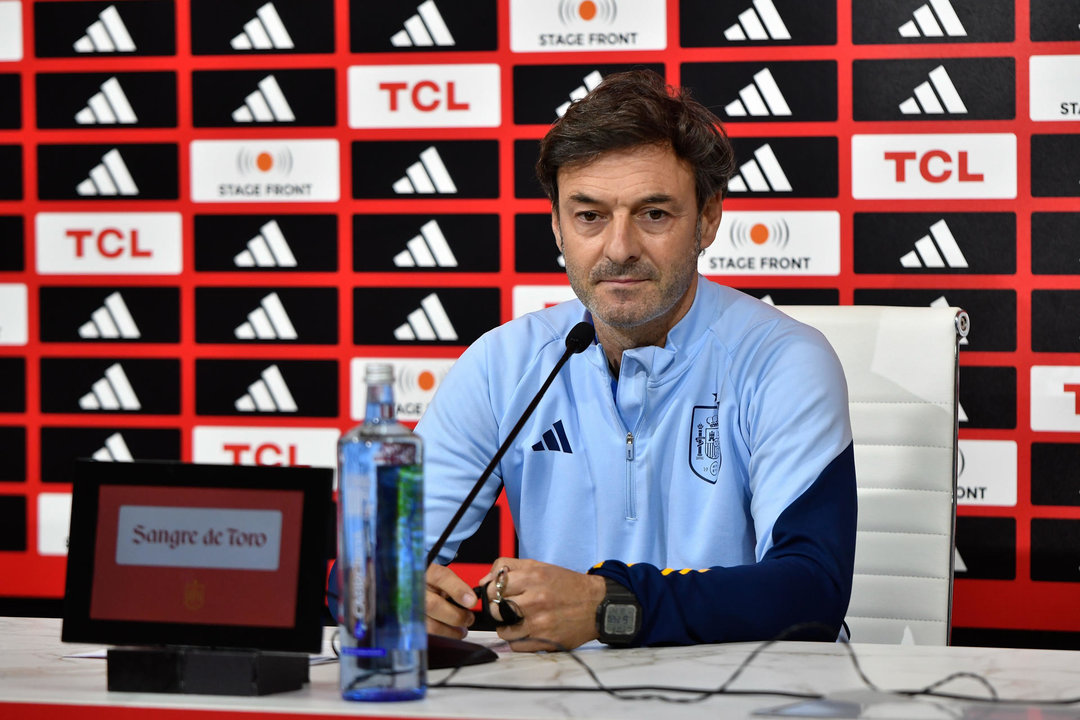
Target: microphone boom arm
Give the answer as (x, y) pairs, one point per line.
(577, 340)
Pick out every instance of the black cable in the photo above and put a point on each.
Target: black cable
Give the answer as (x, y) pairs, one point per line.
(619, 692)
(650, 692)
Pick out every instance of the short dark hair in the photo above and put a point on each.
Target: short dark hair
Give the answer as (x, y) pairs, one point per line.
(635, 108)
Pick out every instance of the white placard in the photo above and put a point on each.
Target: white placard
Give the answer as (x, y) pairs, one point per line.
(933, 166)
(1055, 398)
(424, 96)
(527, 298)
(774, 243)
(13, 314)
(235, 539)
(1055, 87)
(987, 473)
(598, 25)
(101, 243)
(11, 30)
(265, 171)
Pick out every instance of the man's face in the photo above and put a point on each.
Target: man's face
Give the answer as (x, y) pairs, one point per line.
(629, 228)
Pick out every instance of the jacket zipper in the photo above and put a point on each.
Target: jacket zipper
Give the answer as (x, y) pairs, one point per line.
(631, 505)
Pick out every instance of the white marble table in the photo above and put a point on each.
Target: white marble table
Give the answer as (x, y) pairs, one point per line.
(36, 676)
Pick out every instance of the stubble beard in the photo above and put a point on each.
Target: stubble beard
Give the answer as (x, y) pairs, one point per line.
(625, 316)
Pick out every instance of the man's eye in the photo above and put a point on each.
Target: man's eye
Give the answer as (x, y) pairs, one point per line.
(655, 214)
(588, 216)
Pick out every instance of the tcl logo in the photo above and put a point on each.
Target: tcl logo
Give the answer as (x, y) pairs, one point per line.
(395, 96)
(425, 95)
(292, 447)
(933, 166)
(109, 243)
(263, 454)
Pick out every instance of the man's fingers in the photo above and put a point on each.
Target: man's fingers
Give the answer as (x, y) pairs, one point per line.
(438, 608)
(444, 581)
(447, 601)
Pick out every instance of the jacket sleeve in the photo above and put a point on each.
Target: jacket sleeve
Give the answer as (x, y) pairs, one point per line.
(800, 485)
(804, 577)
(460, 434)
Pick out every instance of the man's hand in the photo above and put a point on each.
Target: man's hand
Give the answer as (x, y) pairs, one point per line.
(443, 617)
(558, 605)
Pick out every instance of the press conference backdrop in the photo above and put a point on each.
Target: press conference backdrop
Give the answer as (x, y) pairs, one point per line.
(213, 214)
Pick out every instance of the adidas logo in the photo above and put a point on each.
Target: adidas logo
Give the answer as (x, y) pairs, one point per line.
(426, 176)
(114, 450)
(108, 107)
(265, 31)
(111, 321)
(937, 22)
(762, 174)
(267, 249)
(424, 29)
(267, 394)
(267, 104)
(590, 81)
(941, 302)
(110, 177)
(427, 322)
(934, 97)
(760, 22)
(428, 249)
(941, 251)
(760, 98)
(269, 321)
(112, 392)
(554, 439)
(107, 34)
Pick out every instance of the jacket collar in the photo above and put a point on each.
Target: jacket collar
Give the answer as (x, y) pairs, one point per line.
(681, 339)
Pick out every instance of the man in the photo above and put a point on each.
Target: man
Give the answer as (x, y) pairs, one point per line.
(702, 486)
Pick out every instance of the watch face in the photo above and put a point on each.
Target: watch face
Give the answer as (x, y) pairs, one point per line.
(620, 620)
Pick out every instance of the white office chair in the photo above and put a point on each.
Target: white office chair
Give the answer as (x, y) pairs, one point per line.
(902, 372)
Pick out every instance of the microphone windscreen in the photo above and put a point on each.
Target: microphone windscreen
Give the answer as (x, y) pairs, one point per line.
(580, 337)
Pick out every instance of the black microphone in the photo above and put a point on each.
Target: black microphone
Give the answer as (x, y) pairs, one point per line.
(579, 338)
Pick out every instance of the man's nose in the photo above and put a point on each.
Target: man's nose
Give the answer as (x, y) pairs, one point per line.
(623, 244)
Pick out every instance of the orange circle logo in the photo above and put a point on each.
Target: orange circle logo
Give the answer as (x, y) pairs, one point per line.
(759, 234)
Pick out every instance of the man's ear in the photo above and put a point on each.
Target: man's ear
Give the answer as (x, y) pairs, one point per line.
(555, 230)
(711, 213)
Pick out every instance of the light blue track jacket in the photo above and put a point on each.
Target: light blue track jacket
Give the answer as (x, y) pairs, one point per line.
(717, 482)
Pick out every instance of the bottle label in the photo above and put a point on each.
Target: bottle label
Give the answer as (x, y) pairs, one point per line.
(392, 453)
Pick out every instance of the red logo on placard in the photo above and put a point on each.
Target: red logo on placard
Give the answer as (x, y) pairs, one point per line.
(1074, 388)
(425, 95)
(108, 243)
(263, 454)
(934, 165)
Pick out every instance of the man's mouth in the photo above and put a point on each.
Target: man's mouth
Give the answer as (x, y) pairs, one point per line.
(623, 280)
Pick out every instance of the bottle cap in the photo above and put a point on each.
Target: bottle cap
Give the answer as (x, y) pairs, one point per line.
(378, 373)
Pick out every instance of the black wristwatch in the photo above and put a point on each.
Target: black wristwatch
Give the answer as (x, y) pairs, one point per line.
(618, 616)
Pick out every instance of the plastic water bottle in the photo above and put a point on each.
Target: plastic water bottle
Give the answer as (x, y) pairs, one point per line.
(381, 552)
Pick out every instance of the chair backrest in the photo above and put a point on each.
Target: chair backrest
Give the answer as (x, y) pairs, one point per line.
(902, 371)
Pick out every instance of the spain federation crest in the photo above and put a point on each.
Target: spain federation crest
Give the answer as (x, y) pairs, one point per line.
(704, 451)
